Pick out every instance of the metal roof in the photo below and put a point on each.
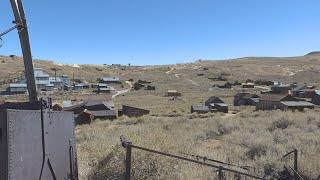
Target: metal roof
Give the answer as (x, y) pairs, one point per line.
(298, 88)
(104, 113)
(200, 108)
(102, 85)
(297, 103)
(273, 97)
(43, 82)
(214, 99)
(22, 85)
(222, 104)
(110, 79)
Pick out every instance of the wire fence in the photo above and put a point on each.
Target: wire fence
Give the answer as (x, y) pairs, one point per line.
(221, 167)
(239, 171)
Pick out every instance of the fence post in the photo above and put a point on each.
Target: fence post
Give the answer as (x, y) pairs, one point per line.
(220, 173)
(128, 160)
(295, 166)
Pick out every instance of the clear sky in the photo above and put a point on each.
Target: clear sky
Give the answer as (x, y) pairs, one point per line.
(164, 31)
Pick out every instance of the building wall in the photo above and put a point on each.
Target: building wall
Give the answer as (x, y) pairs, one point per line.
(134, 112)
(268, 105)
(316, 99)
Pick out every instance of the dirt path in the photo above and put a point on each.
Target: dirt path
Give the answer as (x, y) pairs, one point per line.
(193, 82)
(179, 77)
(120, 92)
(168, 72)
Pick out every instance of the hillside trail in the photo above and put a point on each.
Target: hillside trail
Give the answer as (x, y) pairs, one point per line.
(120, 92)
(179, 77)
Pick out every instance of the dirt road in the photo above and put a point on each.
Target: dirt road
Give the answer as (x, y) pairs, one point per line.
(120, 92)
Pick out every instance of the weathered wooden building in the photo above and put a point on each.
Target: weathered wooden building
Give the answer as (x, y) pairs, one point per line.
(283, 102)
(110, 80)
(273, 101)
(296, 105)
(150, 88)
(98, 108)
(216, 103)
(280, 89)
(226, 85)
(248, 85)
(245, 99)
(137, 86)
(302, 92)
(133, 111)
(173, 93)
(17, 88)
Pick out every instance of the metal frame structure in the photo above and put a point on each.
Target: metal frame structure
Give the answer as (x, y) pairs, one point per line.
(21, 25)
(35, 141)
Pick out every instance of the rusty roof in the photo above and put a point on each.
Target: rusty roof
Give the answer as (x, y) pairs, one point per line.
(274, 97)
(104, 113)
(246, 95)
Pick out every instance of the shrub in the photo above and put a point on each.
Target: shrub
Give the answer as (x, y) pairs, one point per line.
(256, 151)
(282, 123)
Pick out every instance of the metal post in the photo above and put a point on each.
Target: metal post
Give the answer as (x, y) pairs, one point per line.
(295, 166)
(20, 20)
(128, 160)
(220, 173)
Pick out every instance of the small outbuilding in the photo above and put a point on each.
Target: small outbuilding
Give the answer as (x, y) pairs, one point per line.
(150, 88)
(173, 93)
(248, 85)
(110, 80)
(280, 89)
(137, 86)
(296, 105)
(133, 111)
(17, 88)
(245, 99)
(216, 103)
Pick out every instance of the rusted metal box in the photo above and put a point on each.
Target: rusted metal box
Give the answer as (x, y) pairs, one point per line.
(37, 144)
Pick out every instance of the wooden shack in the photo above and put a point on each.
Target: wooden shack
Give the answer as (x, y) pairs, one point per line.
(17, 88)
(98, 108)
(245, 99)
(150, 88)
(248, 85)
(296, 105)
(173, 93)
(133, 111)
(273, 101)
(227, 85)
(137, 86)
(216, 103)
(280, 89)
(200, 109)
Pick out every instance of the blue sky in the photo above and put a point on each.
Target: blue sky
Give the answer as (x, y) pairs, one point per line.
(164, 31)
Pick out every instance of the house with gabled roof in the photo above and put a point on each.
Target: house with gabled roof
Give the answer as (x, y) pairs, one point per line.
(245, 99)
(216, 103)
(283, 102)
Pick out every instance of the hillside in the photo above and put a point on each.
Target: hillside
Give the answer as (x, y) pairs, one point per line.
(242, 136)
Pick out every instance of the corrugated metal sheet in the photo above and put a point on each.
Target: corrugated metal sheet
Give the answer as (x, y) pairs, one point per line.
(297, 103)
(200, 108)
(22, 85)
